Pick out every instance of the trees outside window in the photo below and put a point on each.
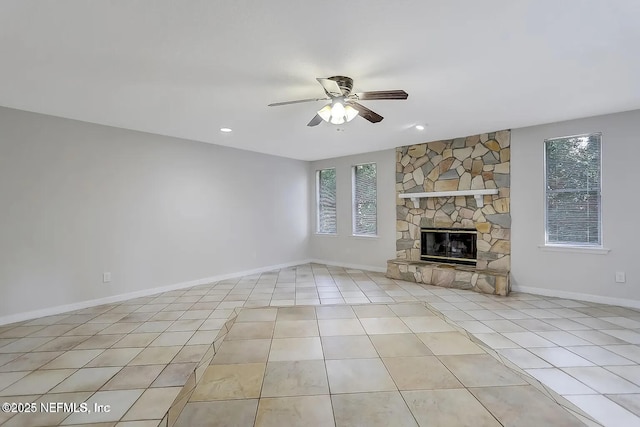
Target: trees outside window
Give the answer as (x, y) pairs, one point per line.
(365, 200)
(573, 184)
(326, 201)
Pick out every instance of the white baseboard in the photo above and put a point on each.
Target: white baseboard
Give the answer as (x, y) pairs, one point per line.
(19, 317)
(577, 296)
(347, 265)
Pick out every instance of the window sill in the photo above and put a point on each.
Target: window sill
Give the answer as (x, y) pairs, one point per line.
(575, 249)
(365, 236)
(326, 234)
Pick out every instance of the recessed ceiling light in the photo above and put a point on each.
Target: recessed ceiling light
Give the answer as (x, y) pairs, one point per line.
(419, 127)
(226, 130)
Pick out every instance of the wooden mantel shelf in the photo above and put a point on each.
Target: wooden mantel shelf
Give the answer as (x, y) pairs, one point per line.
(477, 194)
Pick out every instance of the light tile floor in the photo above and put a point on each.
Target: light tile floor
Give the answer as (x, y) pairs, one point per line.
(137, 355)
(386, 372)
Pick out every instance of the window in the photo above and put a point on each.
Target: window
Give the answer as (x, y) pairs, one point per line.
(365, 200)
(572, 175)
(326, 201)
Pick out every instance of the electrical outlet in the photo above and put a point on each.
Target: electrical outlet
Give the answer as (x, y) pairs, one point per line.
(106, 277)
(620, 277)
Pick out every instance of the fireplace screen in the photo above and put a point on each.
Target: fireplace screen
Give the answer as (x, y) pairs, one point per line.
(452, 245)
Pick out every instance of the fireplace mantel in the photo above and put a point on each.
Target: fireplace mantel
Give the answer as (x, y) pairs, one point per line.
(477, 194)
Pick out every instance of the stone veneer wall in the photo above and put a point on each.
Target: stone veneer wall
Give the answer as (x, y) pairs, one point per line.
(474, 162)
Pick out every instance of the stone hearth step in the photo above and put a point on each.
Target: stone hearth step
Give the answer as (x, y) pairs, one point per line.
(450, 276)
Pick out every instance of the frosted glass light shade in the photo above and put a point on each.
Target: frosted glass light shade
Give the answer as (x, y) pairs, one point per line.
(337, 110)
(337, 113)
(325, 113)
(350, 113)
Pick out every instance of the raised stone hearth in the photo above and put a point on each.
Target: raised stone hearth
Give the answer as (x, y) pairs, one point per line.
(448, 276)
(479, 162)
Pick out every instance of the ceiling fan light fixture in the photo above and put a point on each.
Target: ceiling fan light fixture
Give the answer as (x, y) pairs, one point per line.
(345, 106)
(337, 113)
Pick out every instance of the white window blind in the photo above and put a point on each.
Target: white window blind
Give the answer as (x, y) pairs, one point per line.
(572, 173)
(326, 201)
(365, 204)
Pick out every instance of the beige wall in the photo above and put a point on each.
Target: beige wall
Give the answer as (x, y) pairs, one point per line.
(583, 274)
(79, 199)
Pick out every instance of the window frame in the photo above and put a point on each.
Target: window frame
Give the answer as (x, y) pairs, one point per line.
(353, 201)
(317, 231)
(572, 245)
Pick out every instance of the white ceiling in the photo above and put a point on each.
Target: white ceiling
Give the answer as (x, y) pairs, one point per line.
(188, 68)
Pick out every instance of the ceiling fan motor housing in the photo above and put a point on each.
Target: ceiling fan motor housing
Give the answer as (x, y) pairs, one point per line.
(345, 84)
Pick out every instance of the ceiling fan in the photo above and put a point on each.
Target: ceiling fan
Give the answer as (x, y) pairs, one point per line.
(344, 106)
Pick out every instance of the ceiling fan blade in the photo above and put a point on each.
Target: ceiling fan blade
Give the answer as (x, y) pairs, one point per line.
(381, 94)
(330, 87)
(315, 121)
(276, 104)
(366, 113)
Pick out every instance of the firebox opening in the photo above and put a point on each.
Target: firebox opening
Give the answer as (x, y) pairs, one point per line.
(452, 245)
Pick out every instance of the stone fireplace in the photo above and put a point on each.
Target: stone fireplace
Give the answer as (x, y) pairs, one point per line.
(459, 191)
